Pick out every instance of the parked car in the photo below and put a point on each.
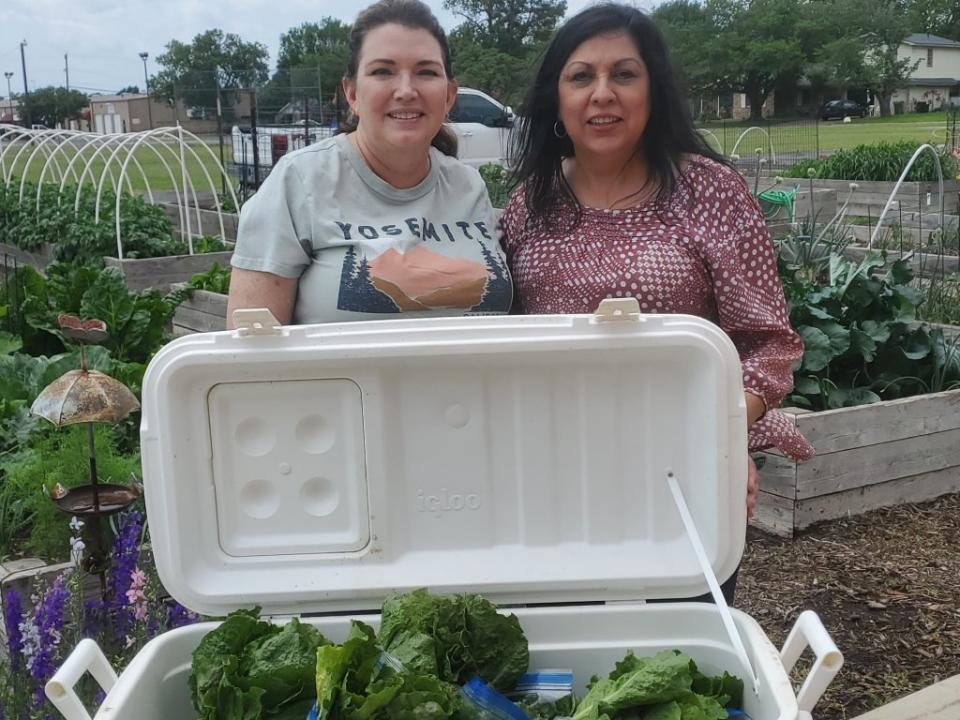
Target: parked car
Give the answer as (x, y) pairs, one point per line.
(840, 109)
(482, 126)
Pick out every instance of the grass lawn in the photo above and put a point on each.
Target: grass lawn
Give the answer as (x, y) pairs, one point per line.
(161, 169)
(802, 135)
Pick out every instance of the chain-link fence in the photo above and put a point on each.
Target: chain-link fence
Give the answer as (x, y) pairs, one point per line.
(953, 130)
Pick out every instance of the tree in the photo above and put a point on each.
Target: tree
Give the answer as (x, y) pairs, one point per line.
(193, 71)
(509, 26)
(937, 17)
(755, 46)
(52, 105)
(131, 89)
(689, 32)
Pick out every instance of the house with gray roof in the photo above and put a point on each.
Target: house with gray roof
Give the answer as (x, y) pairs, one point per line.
(936, 80)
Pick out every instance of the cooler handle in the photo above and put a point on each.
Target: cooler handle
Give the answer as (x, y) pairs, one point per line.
(808, 631)
(87, 656)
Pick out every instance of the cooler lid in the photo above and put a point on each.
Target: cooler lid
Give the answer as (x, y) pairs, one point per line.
(321, 468)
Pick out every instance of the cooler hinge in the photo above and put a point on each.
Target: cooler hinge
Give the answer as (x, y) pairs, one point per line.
(255, 321)
(618, 310)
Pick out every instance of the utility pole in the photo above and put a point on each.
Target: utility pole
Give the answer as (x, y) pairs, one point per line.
(66, 69)
(146, 89)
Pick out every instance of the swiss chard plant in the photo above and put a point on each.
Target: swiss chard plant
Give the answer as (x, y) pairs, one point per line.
(861, 342)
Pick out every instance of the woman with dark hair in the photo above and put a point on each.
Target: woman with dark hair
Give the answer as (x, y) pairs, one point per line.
(380, 219)
(619, 196)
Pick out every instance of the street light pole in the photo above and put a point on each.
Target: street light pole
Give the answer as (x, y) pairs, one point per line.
(146, 86)
(9, 75)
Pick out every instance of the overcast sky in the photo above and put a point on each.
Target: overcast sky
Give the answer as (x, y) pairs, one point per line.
(103, 38)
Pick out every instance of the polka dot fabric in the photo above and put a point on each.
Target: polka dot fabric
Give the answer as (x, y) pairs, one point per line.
(705, 251)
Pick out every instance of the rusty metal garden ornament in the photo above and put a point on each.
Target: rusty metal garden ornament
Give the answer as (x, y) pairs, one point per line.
(88, 396)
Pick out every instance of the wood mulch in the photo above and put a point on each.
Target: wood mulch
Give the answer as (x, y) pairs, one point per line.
(887, 587)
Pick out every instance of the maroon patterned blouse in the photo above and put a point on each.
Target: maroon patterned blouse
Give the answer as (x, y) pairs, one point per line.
(705, 252)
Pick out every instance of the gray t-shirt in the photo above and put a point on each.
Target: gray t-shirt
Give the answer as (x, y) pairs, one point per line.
(364, 249)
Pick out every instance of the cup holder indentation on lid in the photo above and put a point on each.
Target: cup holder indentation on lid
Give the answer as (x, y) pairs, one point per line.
(259, 499)
(255, 437)
(315, 435)
(319, 496)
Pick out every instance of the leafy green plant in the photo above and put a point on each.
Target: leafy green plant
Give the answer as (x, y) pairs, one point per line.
(497, 181)
(136, 321)
(216, 279)
(859, 342)
(880, 161)
(145, 230)
(28, 518)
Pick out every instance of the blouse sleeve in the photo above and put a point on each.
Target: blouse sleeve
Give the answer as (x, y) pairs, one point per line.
(752, 310)
(512, 220)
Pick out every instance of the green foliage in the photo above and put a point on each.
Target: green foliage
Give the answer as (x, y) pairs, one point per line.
(859, 342)
(216, 279)
(454, 638)
(663, 687)
(212, 59)
(145, 229)
(882, 162)
(135, 321)
(511, 27)
(29, 521)
(51, 105)
(248, 668)
(497, 181)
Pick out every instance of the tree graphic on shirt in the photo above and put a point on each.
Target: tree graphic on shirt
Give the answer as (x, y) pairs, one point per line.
(357, 291)
(498, 291)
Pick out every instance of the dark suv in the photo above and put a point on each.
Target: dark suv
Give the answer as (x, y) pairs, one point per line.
(839, 109)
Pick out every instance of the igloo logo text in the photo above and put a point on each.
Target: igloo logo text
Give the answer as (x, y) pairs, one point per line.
(445, 501)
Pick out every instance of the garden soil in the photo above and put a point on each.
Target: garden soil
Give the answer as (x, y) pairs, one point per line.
(887, 587)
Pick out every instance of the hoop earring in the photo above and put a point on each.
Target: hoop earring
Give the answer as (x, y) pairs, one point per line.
(557, 132)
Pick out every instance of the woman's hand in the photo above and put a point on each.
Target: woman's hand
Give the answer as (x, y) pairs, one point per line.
(753, 486)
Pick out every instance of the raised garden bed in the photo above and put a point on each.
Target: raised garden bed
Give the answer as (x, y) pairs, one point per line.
(868, 457)
(924, 264)
(162, 272)
(871, 196)
(38, 259)
(203, 311)
(209, 223)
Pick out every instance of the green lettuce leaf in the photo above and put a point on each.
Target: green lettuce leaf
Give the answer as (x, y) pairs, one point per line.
(454, 638)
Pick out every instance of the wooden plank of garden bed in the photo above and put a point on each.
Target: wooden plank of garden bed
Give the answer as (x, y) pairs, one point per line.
(774, 514)
(38, 259)
(160, 273)
(833, 430)
(875, 464)
(199, 321)
(914, 488)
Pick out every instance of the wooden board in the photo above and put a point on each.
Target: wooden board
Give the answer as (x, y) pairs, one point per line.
(915, 488)
(202, 312)
(774, 514)
(832, 430)
(162, 272)
(875, 464)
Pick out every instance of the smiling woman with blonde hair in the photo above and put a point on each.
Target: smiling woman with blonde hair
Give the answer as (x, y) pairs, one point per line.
(619, 196)
(380, 221)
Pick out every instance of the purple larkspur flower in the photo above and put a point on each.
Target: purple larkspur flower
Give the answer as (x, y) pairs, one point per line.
(12, 617)
(178, 616)
(126, 554)
(48, 619)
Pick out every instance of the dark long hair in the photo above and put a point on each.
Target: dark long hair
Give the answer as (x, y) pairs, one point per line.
(411, 14)
(668, 136)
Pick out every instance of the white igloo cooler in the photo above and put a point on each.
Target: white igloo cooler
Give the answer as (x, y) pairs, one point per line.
(566, 467)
